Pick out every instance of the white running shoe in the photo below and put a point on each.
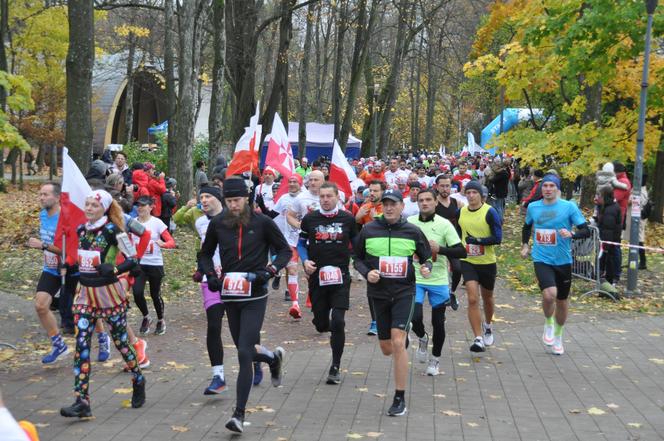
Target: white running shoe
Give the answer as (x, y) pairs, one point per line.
(488, 334)
(422, 353)
(557, 348)
(478, 345)
(432, 369)
(547, 336)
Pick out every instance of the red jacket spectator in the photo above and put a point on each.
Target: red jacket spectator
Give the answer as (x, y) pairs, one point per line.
(622, 196)
(157, 187)
(140, 179)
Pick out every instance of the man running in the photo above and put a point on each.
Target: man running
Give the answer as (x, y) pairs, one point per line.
(244, 239)
(324, 246)
(481, 231)
(384, 256)
(444, 241)
(50, 281)
(448, 208)
(552, 220)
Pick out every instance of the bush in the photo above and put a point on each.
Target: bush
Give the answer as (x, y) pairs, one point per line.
(3, 185)
(159, 157)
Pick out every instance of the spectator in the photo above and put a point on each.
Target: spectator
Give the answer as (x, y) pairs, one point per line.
(536, 192)
(200, 178)
(168, 203)
(622, 194)
(156, 186)
(526, 184)
(120, 167)
(96, 175)
(646, 208)
(220, 166)
(140, 180)
(500, 179)
(304, 168)
(609, 223)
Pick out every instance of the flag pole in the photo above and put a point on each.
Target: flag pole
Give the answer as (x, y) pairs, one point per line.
(63, 269)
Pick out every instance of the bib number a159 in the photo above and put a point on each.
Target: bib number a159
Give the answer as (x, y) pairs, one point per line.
(236, 284)
(330, 275)
(393, 267)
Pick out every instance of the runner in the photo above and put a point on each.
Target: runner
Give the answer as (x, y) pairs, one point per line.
(444, 241)
(324, 247)
(50, 281)
(279, 214)
(151, 266)
(244, 238)
(552, 220)
(384, 256)
(265, 188)
(481, 231)
(101, 296)
(411, 207)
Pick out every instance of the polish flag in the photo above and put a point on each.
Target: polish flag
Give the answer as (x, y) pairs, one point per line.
(72, 206)
(341, 173)
(245, 158)
(280, 154)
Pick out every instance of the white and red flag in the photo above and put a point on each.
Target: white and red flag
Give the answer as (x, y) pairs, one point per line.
(72, 206)
(341, 173)
(280, 154)
(245, 158)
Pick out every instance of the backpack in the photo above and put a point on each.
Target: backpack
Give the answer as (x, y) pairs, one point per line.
(646, 210)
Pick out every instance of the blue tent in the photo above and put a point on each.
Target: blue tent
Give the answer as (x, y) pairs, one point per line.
(511, 117)
(161, 128)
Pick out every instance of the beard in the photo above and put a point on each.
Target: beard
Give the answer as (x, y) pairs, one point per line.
(231, 220)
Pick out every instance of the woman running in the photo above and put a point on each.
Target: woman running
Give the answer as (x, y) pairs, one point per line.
(101, 296)
(152, 266)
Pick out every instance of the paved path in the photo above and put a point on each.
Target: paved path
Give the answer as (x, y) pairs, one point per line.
(608, 386)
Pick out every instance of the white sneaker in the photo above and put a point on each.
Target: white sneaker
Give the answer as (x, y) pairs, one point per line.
(422, 353)
(547, 336)
(557, 348)
(478, 345)
(432, 369)
(488, 334)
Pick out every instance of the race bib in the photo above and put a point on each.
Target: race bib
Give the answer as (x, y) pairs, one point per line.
(473, 250)
(545, 237)
(393, 267)
(149, 249)
(330, 275)
(88, 260)
(51, 260)
(236, 284)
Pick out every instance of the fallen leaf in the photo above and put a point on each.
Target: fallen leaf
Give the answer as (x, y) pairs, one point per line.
(634, 425)
(6, 354)
(126, 404)
(504, 306)
(380, 395)
(495, 397)
(595, 411)
(657, 360)
(374, 434)
(614, 366)
(460, 379)
(575, 411)
(179, 429)
(618, 331)
(471, 424)
(47, 411)
(612, 406)
(438, 395)
(464, 364)
(177, 366)
(358, 373)
(363, 389)
(450, 413)
(654, 334)
(354, 436)
(121, 390)
(42, 425)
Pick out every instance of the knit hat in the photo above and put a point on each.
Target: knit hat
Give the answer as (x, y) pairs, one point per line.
(234, 188)
(103, 197)
(212, 191)
(551, 178)
(474, 185)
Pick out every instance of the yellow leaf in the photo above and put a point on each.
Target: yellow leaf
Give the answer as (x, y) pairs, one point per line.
(471, 424)
(464, 364)
(177, 366)
(438, 396)
(354, 436)
(450, 413)
(617, 331)
(47, 411)
(634, 425)
(179, 429)
(495, 397)
(126, 404)
(363, 389)
(121, 390)
(614, 366)
(655, 334)
(595, 411)
(657, 360)
(358, 373)
(374, 434)
(6, 354)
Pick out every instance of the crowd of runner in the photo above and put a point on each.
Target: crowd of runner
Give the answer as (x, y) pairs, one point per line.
(413, 229)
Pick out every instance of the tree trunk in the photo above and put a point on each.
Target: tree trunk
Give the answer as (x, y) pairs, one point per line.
(304, 83)
(432, 90)
(342, 26)
(592, 113)
(129, 97)
(4, 30)
(367, 127)
(191, 18)
(268, 62)
(657, 192)
(322, 77)
(171, 96)
(215, 121)
(416, 112)
(80, 60)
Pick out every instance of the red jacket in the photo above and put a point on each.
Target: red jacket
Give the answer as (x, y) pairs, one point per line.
(157, 187)
(140, 179)
(622, 196)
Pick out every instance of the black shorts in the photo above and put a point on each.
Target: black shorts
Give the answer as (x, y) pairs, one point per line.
(51, 283)
(485, 275)
(559, 276)
(390, 314)
(324, 298)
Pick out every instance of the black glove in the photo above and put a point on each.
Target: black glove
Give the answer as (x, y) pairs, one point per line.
(105, 269)
(197, 277)
(262, 276)
(470, 240)
(214, 284)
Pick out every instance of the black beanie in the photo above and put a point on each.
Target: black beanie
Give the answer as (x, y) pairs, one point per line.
(213, 191)
(234, 188)
(473, 185)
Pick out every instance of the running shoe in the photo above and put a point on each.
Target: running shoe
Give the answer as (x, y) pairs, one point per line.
(557, 348)
(56, 351)
(160, 329)
(488, 334)
(138, 394)
(478, 345)
(141, 347)
(432, 369)
(422, 353)
(287, 296)
(547, 335)
(373, 329)
(334, 376)
(398, 407)
(145, 325)
(454, 302)
(308, 302)
(258, 373)
(276, 371)
(295, 312)
(275, 282)
(217, 386)
(104, 347)
(79, 409)
(236, 423)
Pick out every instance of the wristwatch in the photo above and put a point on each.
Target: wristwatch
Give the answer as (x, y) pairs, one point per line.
(44, 246)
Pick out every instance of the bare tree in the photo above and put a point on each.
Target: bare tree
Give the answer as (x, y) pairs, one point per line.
(215, 121)
(304, 82)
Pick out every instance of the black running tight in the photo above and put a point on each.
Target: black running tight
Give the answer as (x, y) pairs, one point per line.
(153, 274)
(215, 314)
(437, 322)
(456, 278)
(335, 323)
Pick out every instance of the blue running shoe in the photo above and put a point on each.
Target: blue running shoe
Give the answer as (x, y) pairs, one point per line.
(373, 329)
(56, 351)
(258, 373)
(217, 386)
(104, 347)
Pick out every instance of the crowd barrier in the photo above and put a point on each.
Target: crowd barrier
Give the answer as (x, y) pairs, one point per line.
(586, 253)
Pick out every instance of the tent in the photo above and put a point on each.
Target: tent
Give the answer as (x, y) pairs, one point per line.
(511, 117)
(320, 141)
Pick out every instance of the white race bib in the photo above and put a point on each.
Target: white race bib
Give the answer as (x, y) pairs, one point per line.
(393, 267)
(545, 237)
(88, 261)
(330, 275)
(51, 260)
(473, 250)
(236, 284)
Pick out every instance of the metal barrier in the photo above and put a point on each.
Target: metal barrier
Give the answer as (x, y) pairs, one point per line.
(586, 253)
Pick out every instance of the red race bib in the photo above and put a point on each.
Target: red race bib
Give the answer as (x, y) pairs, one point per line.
(236, 284)
(51, 260)
(546, 237)
(330, 275)
(473, 250)
(393, 267)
